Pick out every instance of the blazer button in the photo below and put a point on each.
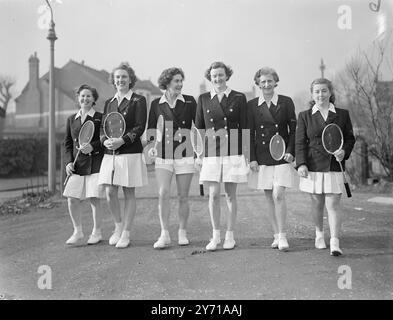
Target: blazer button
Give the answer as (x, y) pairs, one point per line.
(179, 134)
(261, 127)
(263, 135)
(226, 136)
(184, 122)
(276, 133)
(225, 127)
(231, 110)
(263, 142)
(276, 125)
(125, 113)
(166, 129)
(213, 128)
(208, 111)
(211, 120)
(225, 118)
(167, 141)
(214, 137)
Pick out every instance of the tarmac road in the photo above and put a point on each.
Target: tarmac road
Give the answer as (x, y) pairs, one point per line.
(251, 271)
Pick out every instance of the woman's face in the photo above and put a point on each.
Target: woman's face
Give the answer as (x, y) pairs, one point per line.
(321, 94)
(176, 84)
(85, 99)
(218, 78)
(267, 84)
(121, 80)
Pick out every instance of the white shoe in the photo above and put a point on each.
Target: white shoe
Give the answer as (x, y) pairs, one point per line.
(183, 241)
(283, 244)
(335, 247)
(95, 238)
(76, 236)
(123, 242)
(320, 243)
(229, 244)
(212, 245)
(162, 243)
(114, 239)
(274, 244)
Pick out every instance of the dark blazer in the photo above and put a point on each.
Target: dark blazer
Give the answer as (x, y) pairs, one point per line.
(86, 163)
(222, 122)
(134, 112)
(264, 123)
(178, 120)
(309, 148)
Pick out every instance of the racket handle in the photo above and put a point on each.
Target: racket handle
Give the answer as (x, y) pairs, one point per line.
(349, 194)
(113, 167)
(201, 191)
(66, 180)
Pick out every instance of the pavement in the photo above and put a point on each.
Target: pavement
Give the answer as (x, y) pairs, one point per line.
(35, 241)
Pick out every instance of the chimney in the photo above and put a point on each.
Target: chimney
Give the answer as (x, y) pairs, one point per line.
(34, 63)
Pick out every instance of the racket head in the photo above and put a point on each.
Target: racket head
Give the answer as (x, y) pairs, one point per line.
(86, 133)
(277, 147)
(114, 125)
(332, 138)
(160, 128)
(196, 141)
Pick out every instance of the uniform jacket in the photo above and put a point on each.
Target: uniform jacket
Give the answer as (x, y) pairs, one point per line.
(86, 163)
(222, 122)
(264, 123)
(134, 112)
(178, 121)
(309, 147)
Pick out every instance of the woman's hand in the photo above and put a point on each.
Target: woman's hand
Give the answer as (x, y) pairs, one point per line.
(302, 171)
(254, 166)
(288, 157)
(113, 143)
(340, 154)
(86, 148)
(198, 164)
(70, 169)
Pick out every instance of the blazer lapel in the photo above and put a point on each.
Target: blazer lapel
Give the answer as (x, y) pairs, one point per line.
(264, 111)
(331, 117)
(218, 107)
(124, 104)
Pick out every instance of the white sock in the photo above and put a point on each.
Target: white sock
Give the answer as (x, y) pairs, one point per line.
(78, 229)
(118, 227)
(282, 235)
(229, 235)
(165, 233)
(125, 233)
(319, 234)
(276, 236)
(182, 233)
(96, 231)
(216, 234)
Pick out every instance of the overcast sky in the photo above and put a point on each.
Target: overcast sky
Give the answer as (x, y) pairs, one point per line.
(288, 35)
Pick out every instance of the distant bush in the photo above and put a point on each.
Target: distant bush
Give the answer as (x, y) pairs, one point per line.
(25, 157)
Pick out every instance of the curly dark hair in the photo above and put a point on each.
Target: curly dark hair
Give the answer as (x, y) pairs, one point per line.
(167, 76)
(266, 71)
(131, 74)
(329, 84)
(93, 91)
(216, 65)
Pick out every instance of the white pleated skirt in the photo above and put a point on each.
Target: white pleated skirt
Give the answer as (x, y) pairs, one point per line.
(322, 182)
(130, 170)
(83, 187)
(283, 175)
(224, 169)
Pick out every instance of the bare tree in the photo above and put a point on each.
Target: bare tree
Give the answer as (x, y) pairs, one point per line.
(5, 97)
(370, 98)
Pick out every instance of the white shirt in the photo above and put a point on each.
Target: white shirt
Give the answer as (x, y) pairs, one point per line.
(262, 100)
(331, 108)
(127, 96)
(83, 117)
(164, 99)
(221, 94)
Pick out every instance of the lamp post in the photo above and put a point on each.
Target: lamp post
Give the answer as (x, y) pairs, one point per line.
(51, 123)
(322, 67)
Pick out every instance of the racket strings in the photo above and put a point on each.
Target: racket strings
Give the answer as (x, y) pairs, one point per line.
(332, 138)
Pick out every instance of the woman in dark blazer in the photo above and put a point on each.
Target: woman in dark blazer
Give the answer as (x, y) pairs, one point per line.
(319, 171)
(83, 180)
(130, 167)
(173, 156)
(268, 115)
(222, 112)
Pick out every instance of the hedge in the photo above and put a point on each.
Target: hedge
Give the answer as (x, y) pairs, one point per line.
(24, 157)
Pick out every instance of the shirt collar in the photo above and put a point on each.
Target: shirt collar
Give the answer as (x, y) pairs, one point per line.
(226, 92)
(274, 99)
(164, 99)
(127, 96)
(90, 113)
(331, 108)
